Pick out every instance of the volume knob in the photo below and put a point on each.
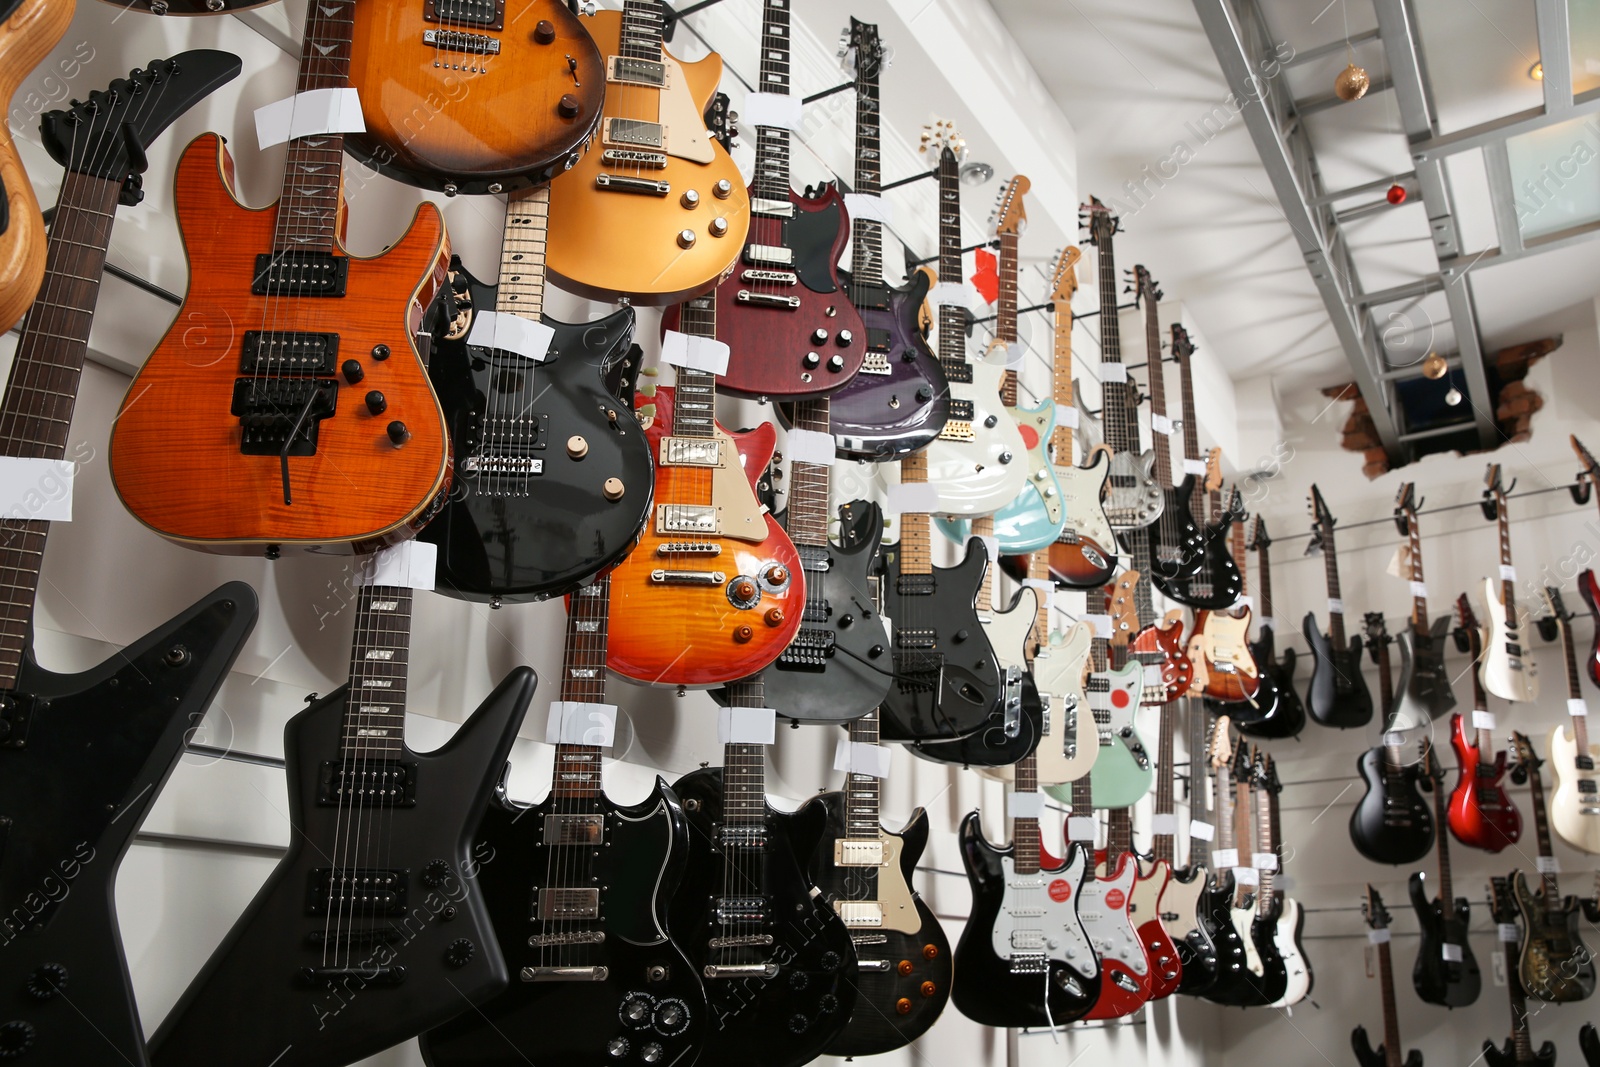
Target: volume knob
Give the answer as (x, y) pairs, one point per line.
(377, 403)
(435, 873)
(398, 434)
(544, 32)
(460, 952)
(351, 369)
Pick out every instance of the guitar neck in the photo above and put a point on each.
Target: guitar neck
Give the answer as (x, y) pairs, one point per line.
(1393, 1057)
(866, 255)
(1580, 723)
(313, 183)
(1191, 429)
(1119, 834)
(1005, 326)
(861, 790)
(983, 526)
(952, 317)
(642, 26)
(1441, 822)
(808, 482)
(1236, 545)
(1159, 442)
(915, 553)
(521, 289)
(1162, 843)
(1551, 882)
(1330, 566)
(744, 767)
(1199, 800)
(1039, 571)
(375, 713)
(1385, 683)
(1419, 599)
(583, 678)
(694, 403)
(1480, 699)
(1222, 782)
(1061, 442)
(1508, 588)
(771, 180)
(1264, 562)
(1114, 407)
(1265, 841)
(1025, 831)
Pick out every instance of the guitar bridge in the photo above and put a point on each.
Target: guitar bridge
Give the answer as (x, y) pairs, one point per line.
(268, 408)
(809, 650)
(632, 157)
(957, 430)
(474, 44)
(768, 300)
(621, 184)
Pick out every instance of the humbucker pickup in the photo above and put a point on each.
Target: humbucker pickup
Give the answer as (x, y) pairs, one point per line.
(619, 184)
(562, 903)
(566, 974)
(568, 937)
(769, 255)
(912, 638)
(691, 452)
(490, 14)
(962, 409)
(386, 783)
(289, 352)
(635, 133)
(743, 836)
(300, 274)
(915, 584)
(771, 300)
(629, 71)
(574, 829)
(475, 44)
(688, 548)
(373, 890)
(848, 852)
(957, 430)
(732, 910)
(859, 913)
(688, 519)
(630, 157)
(957, 371)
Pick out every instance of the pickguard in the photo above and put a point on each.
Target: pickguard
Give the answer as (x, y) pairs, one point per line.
(740, 515)
(1030, 915)
(683, 127)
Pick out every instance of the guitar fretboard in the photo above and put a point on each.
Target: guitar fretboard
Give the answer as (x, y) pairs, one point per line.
(915, 554)
(1330, 568)
(694, 401)
(1392, 1055)
(952, 318)
(1264, 561)
(866, 235)
(1061, 438)
(583, 678)
(771, 180)
(641, 29)
(744, 767)
(1191, 426)
(1265, 839)
(1158, 388)
(1508, 588)
(313, 177)
(1005, 323)
(521, 290)
(1551, 882)
(375, 715)
(808, 482)
(1419, 600)
(1025, 831)
(1122, 434)
(861, 790)
(1162, 843)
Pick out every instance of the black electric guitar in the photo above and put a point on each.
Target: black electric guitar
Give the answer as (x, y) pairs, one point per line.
(372, 928)
(1273, 984)
(573, 889)
(1391, 822)
(865, 873)
(1286, 716)
(774, 956)
(1181, 900)
(82, 756)
(1446, 973)
(1423, 691)
(1387, 1054)
(1589, 1044)
(552, 472)
(1238, 964)
(1518, 1049)
(1337, 695)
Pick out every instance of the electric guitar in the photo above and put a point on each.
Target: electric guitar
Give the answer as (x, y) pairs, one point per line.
(865, 873)
(1290, 927)
(572, 886)
(1423, 691)
(1518, 1049)
(29, 29)
(1503, 668)
(1133, 498)
(1024, 958)
(656, 211)
(373, 927)
(1238, 962)
(1482, 813)
(714, 591)
(1389, 1053)
(1253, 965)
(1589, 1044)
(1267, 902)
(1337, 695)
(1219, 646)
(1147, 906)
(1588, 585)
(790, 325)
(1391, 822)
(1575, 806)
(83, 756)
(552, 470)
(1105, 908)
(1286, 715)
(900, 399)
(490, 102)
(1446, 973)
(1069, 736)
(1554, 963)
(772, 952)
(287, 461)
(1183, 904)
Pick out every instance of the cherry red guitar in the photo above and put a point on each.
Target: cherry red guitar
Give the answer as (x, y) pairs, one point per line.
(1588, 478)
(1482, 814)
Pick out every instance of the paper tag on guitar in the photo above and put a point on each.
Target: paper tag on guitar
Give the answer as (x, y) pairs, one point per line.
(746, 726)
(918, 498)
(1068, 417)
(1113, 372)
(308, 114)
(36, 488)
(408, 565)
(694, 353)
(1100, 622)
(1161, 424)
(1335, 606)
(1508, 573)
(1245, 601)
(1024, 805)
(1378, 937)
(1576, 706)
(1201, 830)
(1419, 589)
(952, 294)
(1196, 467)
(578, 722)
(858, 757)
(1153, 675)
(1451, 953)
(1081, 827)
(1225, 857)
(1164, 823)
(863, 206)
(810, 446)
(1483, 720)
(1508, 931)
(1547, 864)
(1246, 876)
(1264, 861)
(776, 110)
(511, 333)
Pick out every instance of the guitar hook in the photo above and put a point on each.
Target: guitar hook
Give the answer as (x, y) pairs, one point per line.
(1400, 522)
(1581, 488)
(1548, 626)
(1491, 509)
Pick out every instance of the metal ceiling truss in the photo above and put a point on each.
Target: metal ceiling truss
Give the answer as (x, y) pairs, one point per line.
(1242, 42)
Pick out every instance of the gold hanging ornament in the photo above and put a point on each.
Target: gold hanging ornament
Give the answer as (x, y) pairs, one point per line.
(1352, 83)
(1435, 366)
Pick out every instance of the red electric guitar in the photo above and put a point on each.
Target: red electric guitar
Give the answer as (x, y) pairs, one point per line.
(1588, 586)
(1482, 814)
(1105, 903)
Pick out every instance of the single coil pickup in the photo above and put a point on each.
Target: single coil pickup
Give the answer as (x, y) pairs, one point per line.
(768, 300)
(566, 974)
(300, 274)
(730, 910)
(688, 548)
(366, 935)
(563, 903)
(811, 648)
(1029, 963)
(879, 966)
(666, 577)
(268, 408)
(815, 612)
(769, 255)
(620, 184)
(779, 209)
(915, 584)
(849, 852)
(691, 452)
(490, 14)
(366, 976)
(362, 890)
(574, 829)
(630, 71)
(875, 363)
(633, 157)
(743, 941)
(380, 783)
(765, 276)
(957, 430)
(743, 836)
(906, 638)
(472, 44)
(688, 519)
(635, 133)
(740, 970)
(864, 938)
(289, 352)
(569, 937)
(962, 409)
(507, 466)
(957, 371)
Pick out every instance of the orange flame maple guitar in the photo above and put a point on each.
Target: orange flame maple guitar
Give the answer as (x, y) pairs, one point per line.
(289, 379)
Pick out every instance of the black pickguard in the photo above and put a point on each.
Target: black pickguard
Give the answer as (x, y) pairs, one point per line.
(1192, 565)
(1287, 715)
(1337, 694)
(651, 996)
(1391, 823)
(259, 991)
(1367, 1056)
(986, 990)
(787, 1020)
(1197, 952)
(1422, 691)
(512, 538)
(1447, 983)
(877, 1024)
(82, 757)
(812, 235)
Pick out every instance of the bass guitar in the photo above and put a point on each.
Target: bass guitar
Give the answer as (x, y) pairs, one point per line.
(1423, 691)
(572, 889)
(1518, 1050)
(1553, 962)
(83, 756)
(1105, 908)
(1389, 1053)
(771, 951)
(1575, 807)
(1446, 973)
(1219, 647)
(552, 470)
(1504, 669)
(1284, 716)
(1290, 927)
(865, 873)
(1337, 695)
(1183, 902)
(656, 211)
(1391, 822)
(279, 448)
(1482, 813)
(714, 591)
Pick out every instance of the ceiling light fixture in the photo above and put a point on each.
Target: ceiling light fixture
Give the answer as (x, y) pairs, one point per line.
(1536, 72)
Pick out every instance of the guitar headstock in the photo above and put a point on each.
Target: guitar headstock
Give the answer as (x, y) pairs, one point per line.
(1124, 608)
(1502, 904)
(1220, 751)
(1009, 213)
(1064, 279)
(1373, 911)
(1552, 602)
(1213, 470)
(861, 49)
(1241, 765)
(1235, 512)
(1099, 221)
(1274, 784)
(1259, 540)
(1494, 493)
(1469, 638)
(1527, 760)
(1376, 628)
(1322, 520)
(1258, 768)
(1145, 289)
(1405, 508)
(940, 136)
(721, 123)
(1182, 347)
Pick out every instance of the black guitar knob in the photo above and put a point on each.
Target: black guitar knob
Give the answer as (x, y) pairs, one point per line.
(798, 980)
(636, 1010)
(836, 363)
(380, 352)
(828, 1004)
(811, 360)
(398, 434)
(435, 873)
(651, 1052)
(992, 421)
(961, 635)
(617, 1048)
(819, 336)
(460, 952)
(377, 403)
(830, 961)
(925, 393)
(875, 651)
(46, 981)
(16, 1037)
(799, 1024)
(351, 369)
(671, 1017)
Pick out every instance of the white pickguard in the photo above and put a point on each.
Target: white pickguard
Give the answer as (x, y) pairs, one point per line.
(1243, 920)
(1567, 808)
(1008, 630)
(1283, 937)
(1059, 675)
(1111, 927)
(970, 476)
(1032, 920)
(1180, 906)
(1138, 501)
(1503, 674)
(1081, 489)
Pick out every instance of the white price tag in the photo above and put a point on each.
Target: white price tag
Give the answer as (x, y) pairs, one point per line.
(1047, 591)
(1081, 827)
(1246, 876)
(1335, 606)
(1225, 857)
(810, 446)
(1508, 931)
(1025, 805)
(1245, 601)
(578, 722)
(1267, 622)
(857, 757)
(1394, 739)
(1161, 424)
(867, 207)
(1099, 622)
(746, 726)
(37, 488)
(1196, 467)
(951, 294)
(1113, 372)
(408, 565)
(1153, 675)
(1378, 937)
(991, 545)
(779, 111)
(1419, 589)
(684, 350)
(1483, 720)
(308, 114)
(511, 333)
(1164, 823)
(1201, 830)
(1508, 573)
(915, 497)
(1068, 417)
(1264, 861)
(1451, 953)
(1576, 706)
(1547, 864)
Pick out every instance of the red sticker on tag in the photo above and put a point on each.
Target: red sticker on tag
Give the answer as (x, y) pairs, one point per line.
(1115, 899)
(1060, 890)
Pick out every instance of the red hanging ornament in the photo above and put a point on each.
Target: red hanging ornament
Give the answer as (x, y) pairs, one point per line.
(1397, 194)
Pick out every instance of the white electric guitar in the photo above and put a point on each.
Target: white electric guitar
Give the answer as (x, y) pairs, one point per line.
(1506, 669)
(1575, 804)
(1234, 816)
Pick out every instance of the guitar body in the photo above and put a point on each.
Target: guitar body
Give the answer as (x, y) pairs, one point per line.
(695, 633)
(1012, 731)
(1273, 984)
(1337, 695)
(1149, 911)
(1589, 586)
(1084, 556)
(900, 399)
(1296, 964)
(474, 124)
(510, 537)
(641, 848)
(1122, 771)
(1198, 568)
(776, 352)
(1572, 806)
(1281, 714)
(1367, 1056)
(984, 473)
(1233, 945)
(176, 457)
(1422, 692)
(1553, 962)
(1230, 669)
(1133, 499)
(1183, 912)
(292, 981)
(1391, 823)
(1036, 517)
(1544, 1057)
(1105, 909)
(1070, 743)
(1504, 669)
(82, 760)
(1588, 1042)
(29, 29)
(895, 1005)
(1244, 920)
(1024, 958)
(1447, 983)
(1482, 814)
(812, 995)
(607, 241)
